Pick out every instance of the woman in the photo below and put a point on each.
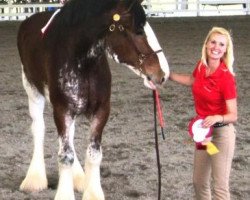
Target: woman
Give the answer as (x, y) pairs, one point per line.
(214, 92)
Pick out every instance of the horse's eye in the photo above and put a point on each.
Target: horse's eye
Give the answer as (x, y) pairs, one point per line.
(140, 31)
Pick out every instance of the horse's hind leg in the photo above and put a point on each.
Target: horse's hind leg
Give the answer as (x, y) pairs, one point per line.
(35, 179)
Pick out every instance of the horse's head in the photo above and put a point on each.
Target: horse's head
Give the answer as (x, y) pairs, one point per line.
(131, 41)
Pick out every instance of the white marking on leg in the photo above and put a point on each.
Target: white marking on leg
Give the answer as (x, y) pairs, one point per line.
(46, 93)
(77, 171)
(92, 174)
(66, 158)
(65, 186)
(36, 176)
(78, 176)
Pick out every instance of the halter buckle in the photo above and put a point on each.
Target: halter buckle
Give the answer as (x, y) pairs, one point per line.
(121, 27)
(112, 27)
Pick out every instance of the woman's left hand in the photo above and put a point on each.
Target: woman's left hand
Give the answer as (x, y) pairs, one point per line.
(211, 120)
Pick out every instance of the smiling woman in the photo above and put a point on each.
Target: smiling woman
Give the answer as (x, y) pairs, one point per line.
(214, 93)
(219, 42)
(216, 46)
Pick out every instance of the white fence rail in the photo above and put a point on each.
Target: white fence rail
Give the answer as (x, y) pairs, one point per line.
(22, 11)
(169, 8)
(153, 8)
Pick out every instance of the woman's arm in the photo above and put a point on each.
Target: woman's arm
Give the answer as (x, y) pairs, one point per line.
(184, 79)
(232, 115)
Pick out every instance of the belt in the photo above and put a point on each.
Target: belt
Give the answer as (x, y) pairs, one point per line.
(218, 125)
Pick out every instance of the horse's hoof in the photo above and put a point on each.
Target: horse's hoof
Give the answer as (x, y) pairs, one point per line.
(79, 182)
(34, 184)
(97, 195)
(78, 177)
(64, 196)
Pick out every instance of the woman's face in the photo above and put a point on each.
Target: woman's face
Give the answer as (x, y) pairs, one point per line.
(216, 46)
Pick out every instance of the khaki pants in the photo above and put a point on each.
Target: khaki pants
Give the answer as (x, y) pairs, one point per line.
(217, 166)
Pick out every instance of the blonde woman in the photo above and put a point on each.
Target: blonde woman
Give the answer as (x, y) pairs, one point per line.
(215, 99)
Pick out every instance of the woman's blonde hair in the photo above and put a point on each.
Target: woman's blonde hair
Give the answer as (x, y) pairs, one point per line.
(228, 57)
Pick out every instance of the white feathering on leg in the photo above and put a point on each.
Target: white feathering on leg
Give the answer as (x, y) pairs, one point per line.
(92, 169)
(65, 186)
(35, 179)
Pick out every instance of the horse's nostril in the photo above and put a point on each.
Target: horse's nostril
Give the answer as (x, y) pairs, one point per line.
(163, 80)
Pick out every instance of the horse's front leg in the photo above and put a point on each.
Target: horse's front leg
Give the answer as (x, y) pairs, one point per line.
(77, 171)
(93, 160)
(66, 155)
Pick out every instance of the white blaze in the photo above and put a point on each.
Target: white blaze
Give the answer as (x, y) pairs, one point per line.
(154, 44)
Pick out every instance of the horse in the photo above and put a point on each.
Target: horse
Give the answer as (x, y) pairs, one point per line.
(67, 65)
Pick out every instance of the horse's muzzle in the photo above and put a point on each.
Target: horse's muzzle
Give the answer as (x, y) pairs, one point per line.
(153, 82)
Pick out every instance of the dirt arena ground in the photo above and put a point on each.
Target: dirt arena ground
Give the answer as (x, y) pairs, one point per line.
(129, 163)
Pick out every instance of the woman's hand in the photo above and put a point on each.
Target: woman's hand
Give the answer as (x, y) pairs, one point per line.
(211, 120)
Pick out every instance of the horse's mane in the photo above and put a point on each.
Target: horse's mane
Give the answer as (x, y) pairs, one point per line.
(91, 18)
(80, 11)
(84, 11)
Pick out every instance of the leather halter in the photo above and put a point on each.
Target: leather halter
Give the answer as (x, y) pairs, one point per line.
(116, 25)
(143, 57)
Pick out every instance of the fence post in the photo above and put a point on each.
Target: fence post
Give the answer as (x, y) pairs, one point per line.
(9, 8)
(149, 7)
(198, 8)
(181, 4)
(248, 7)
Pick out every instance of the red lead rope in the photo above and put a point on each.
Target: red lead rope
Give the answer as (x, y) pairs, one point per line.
(159, 111)
(157, 108)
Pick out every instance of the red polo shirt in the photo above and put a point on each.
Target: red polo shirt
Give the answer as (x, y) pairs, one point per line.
(210, 93)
